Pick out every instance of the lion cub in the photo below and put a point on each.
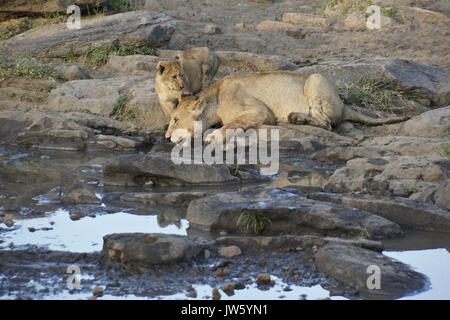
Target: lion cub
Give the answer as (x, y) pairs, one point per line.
(192, 71)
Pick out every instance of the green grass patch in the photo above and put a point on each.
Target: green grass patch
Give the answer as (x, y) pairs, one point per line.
(411, 189)
(328, 4)
(121, 5)
(446, 150)
(123, 112)
(373, 94)
(98, 56)
(27, 70)
(252, 221)
(129, 50)
(345, 7)
(447, 129)
(364, 234)
(9, 31)
(360, 126)
(390, 12)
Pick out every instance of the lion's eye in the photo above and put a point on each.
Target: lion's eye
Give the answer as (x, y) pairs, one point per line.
(174, 77)
(175, 121)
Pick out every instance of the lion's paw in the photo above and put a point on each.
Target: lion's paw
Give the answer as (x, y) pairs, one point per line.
(214, 137)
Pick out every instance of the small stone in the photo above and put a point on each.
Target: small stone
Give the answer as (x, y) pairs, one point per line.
(239, 285)
(223, 233)
(74, 217)
(211, 29)
(244, 27)
(31, 229)
(45, 157)
(325, 298)
(11, 245)
(215, 294)
(296, 34)
(207, 254)
(9, 223)
(228, 288)
(151, 239)
(287, 288)
(263, 278)
(191, 292)
(220, 273)
(11, 208)
(229, 252)
(52, 222)
(97, 291)
(221, 263)
(92, 298)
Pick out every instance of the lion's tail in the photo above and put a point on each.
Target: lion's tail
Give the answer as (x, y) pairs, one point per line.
(353, 115)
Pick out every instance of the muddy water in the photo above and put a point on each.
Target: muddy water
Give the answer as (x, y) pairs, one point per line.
(40, 223)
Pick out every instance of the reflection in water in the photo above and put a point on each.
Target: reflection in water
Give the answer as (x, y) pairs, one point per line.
(252, 292)
(84, 235)
(164, 220)
(435, 264)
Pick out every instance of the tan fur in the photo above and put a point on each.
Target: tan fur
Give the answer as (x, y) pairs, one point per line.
(199, 66)
(194, 70)
(169, 85)
(248, 101)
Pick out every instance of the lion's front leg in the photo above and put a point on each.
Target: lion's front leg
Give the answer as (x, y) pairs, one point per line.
(215, 137)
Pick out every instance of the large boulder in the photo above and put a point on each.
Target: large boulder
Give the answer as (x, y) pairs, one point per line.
(433, 123)
(67, 131)
(422, 178)
(356, 266)
(376, 147)
(275, 211)
(415, 79)
(11, 8)
(56, 40)
(133, 65)
(147, 169)
(144, 250)
(407, 213)
(100, 96)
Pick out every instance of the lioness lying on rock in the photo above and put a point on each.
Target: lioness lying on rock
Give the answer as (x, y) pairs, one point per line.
(192, 71)
(248, 101)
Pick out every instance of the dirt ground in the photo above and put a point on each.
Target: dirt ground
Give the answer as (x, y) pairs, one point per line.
(424, 43)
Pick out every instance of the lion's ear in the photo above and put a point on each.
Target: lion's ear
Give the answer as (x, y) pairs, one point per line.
(198, 106)
(162, 66)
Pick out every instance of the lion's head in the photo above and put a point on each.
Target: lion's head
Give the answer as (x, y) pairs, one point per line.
(181, 125)
(172, 76)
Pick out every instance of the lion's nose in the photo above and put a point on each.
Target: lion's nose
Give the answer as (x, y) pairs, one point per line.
(168, 135)
(181, 86)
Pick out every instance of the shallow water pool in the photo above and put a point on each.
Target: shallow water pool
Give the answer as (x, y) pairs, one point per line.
(84, 235)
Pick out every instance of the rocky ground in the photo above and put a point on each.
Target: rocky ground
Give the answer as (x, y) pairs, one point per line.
(81, 129)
